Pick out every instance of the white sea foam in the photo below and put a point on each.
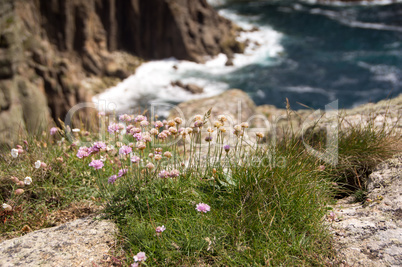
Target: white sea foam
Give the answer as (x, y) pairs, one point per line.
(352, 3)
(307, 89)
(353, 23)
(152, 81)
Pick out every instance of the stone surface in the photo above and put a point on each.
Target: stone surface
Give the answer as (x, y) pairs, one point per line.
(370, 234)
(235, 104)
(83, 242)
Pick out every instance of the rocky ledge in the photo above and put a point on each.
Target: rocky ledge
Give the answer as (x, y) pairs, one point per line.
(370, 234)
(83, 242)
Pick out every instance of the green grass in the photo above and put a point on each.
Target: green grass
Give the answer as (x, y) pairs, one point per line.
(268, 203)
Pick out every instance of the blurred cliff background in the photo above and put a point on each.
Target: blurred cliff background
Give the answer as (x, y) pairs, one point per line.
(55, 54)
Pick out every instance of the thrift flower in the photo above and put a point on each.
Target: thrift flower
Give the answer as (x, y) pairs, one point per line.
(122, 172)
(198, 123)
(138, 136)
(162, 136)
(174, 173)
(27, 180)
(83, 152)
(19, 191)
(115, 127)
(37, 164)
(158, 124)
(198, 117)
(173, 130)
(97, 164)
(158, 157)
(53, 130)
(99, 146)
(154, 131)
(202, 207)
(150, 166)
(144, 123)
(218, 124)
(125, 150)
(178, 120)
(125, 117)
(259, 135)
(7, 207)
(14, 153)
(163, 174)
(160, 229)
(141, 145)
(226, 148)
(135, 159)
(222, 118)
(167, 154)
(140, 118)
(208, 138)
(140, 257)
(112, 179)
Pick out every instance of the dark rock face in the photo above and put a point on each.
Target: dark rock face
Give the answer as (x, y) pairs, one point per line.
(152, 29)
(48, 47)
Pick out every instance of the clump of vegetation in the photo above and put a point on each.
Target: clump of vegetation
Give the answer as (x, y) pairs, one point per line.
(205, 193)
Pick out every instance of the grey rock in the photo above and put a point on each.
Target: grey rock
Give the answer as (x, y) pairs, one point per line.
(83, 242)
(370, 234)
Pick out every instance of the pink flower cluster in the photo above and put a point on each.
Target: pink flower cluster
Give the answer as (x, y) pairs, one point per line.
(97, 164)
(202, 207)
(115, 128)
(84, 151)
(165, 174)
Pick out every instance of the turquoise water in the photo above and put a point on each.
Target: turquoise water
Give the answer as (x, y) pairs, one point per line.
(348, 53)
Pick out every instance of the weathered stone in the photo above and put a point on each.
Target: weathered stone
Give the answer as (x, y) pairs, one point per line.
(83, 242)
(370, 234)
(190, 87)
(235, 104)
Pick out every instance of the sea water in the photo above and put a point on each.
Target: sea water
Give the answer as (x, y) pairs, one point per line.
(310, 53)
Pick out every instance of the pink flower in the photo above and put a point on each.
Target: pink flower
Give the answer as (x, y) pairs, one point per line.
(138, 136)
(174, 173)
(53, 130)
(112, 179)
(163, 174)
(140, 257)
(134, 265)
(135, 159)
(202, 207)
(125, 150)
(98, 146)
(158, 124)
(97, 164)
(122, 172)
(125, 117)
(140, 118)
(115, 128)
(160, 229)
(83, 152)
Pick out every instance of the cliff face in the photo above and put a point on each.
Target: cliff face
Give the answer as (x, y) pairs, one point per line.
(49, 47)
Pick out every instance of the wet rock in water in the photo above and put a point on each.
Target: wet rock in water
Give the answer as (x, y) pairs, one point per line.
(83, 242)
(190, 87)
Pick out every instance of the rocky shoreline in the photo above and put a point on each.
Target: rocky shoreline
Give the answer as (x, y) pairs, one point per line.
(56, 54)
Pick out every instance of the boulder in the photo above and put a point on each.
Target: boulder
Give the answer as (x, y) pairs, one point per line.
(83, 242)
(235, 104)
